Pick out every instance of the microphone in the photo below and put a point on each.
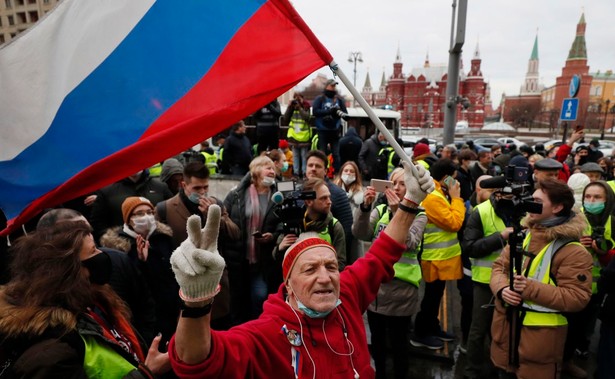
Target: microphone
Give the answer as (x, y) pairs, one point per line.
(277, 198)
(496, 182)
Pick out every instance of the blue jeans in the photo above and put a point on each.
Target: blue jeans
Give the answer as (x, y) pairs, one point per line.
(333, 139)
(300, 160)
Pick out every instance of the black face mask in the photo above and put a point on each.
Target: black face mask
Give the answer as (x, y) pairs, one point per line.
(330, 94)
(99, 267)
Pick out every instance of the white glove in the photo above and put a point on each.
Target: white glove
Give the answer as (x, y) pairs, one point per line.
(418, 182)
(196, 262)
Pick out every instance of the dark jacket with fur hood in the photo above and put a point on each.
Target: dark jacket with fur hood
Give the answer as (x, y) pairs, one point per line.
(541, 348)
(49, 343)
(157, 271)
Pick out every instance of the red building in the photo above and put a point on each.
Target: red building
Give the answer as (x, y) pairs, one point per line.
(420, 95)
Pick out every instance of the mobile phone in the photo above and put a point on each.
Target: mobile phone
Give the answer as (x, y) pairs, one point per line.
(579, 128)
(449, 181)
(257, 235)
(381, 185)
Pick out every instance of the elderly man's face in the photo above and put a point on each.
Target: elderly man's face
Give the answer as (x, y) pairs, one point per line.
(315, 280)
(544, 174)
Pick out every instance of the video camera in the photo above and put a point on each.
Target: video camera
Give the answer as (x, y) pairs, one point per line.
(291, 208)
(516, 193)
(192, 156)
(338, 113)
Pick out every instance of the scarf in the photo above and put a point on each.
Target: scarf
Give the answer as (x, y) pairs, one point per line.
(255, 220)
(556, 220)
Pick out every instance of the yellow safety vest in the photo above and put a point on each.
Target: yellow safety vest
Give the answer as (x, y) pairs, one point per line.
(492, 223)
(314, 142)
(298, 129)
(407, 267)
(597, 266)
(102, 362)
(612, 184)
(155, 170)
(211, 161)
(539, 270)
(391, 154)
(324, 234)
(438, 244)
(424, 164)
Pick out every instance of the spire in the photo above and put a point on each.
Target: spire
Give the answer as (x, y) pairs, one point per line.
(534, 56)
(368, 83)
(477, 51)
(578, 49)
(398, 56)
(383, 81)
(426, 64)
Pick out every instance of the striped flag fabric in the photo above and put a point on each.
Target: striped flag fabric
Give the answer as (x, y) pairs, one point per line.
(99, 90)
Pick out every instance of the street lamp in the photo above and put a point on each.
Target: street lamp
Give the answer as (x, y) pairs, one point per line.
(606, 113)
(354, 57)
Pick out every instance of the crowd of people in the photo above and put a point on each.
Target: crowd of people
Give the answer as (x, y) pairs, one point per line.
(127, 281)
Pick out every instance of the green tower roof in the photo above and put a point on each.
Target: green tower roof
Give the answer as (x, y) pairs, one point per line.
(578, 49)
(534, 56)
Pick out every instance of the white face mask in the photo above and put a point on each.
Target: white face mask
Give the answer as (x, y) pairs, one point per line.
(348, 179)
(268, 181)
(144, 224)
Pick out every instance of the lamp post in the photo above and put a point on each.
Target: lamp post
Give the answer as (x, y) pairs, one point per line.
(354, 57)
(606, 113)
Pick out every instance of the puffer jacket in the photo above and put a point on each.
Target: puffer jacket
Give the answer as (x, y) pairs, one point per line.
(541, 348)
(50, 342)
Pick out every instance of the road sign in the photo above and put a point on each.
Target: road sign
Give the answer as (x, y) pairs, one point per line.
(575, 85)
(569, 109)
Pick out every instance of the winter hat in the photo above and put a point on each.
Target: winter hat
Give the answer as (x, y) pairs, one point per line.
(420, 149)
(170, 167)
(305, 242)
(591, 167)
(283, 144)
(130, 203)
(577, 182)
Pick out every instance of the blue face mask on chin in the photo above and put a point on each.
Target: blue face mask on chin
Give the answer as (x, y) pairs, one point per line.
(312, 313)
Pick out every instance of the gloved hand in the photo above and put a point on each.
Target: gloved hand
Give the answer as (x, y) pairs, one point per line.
(196, 262)
(333, 110)
(418, 182)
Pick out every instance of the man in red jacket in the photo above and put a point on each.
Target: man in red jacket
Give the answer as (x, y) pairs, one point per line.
(312, 327)
(564, 151)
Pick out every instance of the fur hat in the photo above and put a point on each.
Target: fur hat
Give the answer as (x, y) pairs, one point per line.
(130, 203)
(305, 242)
(420, 149)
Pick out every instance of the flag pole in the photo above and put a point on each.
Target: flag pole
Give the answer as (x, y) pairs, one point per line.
(337, 71)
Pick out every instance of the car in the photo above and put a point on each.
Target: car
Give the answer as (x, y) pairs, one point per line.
(478, 147)
(509, 140)
(410, 141)
(606, 147)
(487, 142)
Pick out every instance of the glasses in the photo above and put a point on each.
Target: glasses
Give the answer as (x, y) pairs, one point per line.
(143, 213)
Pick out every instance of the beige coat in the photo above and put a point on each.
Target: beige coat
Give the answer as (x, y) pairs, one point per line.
(541, 348)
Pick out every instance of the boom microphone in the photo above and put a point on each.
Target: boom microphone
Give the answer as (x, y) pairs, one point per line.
(277, 197)
(495, 182)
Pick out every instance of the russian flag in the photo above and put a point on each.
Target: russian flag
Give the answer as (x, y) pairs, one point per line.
(99, 90)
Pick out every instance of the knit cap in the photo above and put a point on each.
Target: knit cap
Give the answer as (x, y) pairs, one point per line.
(131, 203)
(577, 182)
(305, 242)
(420, 149)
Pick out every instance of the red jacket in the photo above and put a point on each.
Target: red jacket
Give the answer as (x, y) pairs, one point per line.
(259, 348)
(562, 154)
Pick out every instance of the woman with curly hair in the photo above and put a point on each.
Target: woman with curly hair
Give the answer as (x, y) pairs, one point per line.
(59, 317)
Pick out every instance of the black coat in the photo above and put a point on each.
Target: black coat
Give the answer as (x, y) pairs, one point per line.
(237, 151)
(368, 156)
(350, 146)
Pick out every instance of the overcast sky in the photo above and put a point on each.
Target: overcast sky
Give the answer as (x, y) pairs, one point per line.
(505, 31)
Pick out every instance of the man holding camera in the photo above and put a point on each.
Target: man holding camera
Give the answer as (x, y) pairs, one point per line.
(329, 109)
(297, 117)
(317, 218)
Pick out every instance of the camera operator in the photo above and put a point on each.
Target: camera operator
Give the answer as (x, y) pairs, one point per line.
(297, 117)
(317, 218)
(598, 205)
(556, 278)
(328, 109)
(486, 234)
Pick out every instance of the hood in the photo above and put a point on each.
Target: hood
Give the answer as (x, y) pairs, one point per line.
(572, 229)
(352, 132)
(115, 239)
(33, 321)
(170, 167)
(609, 205)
